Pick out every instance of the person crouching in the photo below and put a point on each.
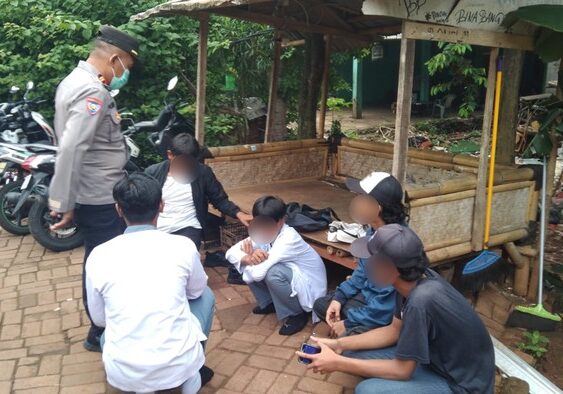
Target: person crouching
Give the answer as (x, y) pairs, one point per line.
(284, 273)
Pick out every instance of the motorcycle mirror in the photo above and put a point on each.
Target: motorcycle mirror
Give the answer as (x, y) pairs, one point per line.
(172, 83)
(29, 85)
(14, 89)
(114, 92)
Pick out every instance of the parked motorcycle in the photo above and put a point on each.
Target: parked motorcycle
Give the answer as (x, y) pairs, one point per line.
(20, 124)
(13, 209)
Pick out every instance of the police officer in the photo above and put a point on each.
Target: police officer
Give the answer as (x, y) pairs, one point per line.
(92, 152)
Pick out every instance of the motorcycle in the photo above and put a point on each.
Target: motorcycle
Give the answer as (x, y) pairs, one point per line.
(13, 213)
(20, 124)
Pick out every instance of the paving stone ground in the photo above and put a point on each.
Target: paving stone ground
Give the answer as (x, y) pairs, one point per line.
(43, 324)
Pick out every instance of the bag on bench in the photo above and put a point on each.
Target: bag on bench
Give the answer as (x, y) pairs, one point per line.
(307, 219)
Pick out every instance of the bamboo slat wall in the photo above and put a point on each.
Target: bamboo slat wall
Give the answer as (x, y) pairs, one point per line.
(249, 169)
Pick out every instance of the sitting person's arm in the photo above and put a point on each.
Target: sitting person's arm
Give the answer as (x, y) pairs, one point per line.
(353, 285)
(219, 198)
(378, 311)
(197, 278)
(96, 305)
(330, 360)
(283, 249)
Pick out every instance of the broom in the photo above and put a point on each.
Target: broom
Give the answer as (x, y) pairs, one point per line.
(487, 266)
(537, 317)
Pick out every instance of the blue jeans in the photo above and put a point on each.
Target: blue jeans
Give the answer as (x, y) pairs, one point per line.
(202, 308)
(422, 381)
(276, 288)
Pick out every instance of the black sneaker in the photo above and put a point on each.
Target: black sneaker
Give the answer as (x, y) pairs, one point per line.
(216, 259)
(92, 341)
(264, 311)
(235, 277)
(294, 324)
(206, 374)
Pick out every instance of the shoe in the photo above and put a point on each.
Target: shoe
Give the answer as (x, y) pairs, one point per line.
(264, 311)
(216, 259)
(235, 277)
(92, 346)
(206, 374)
(294, 324)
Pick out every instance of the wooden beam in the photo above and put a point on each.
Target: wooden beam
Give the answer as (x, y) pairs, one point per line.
(403, 117)
(201, 78)
(357, 96)
(324, 87)
(274, 77)
(434, 32)
(478, 231)
(388, 29)
(512, 64)
(294, 43)
(286, 24)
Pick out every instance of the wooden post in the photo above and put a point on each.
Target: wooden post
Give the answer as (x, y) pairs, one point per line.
(272, 98)
(403, 116)
(201, 78)
(477, 236)
(357, 101)
(512, 64)
(324, 87)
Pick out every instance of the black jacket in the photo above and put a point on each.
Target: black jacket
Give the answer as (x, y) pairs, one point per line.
(205, 188)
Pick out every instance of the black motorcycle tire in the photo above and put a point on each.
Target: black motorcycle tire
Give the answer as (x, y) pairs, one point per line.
(5, 222)
(39, 228)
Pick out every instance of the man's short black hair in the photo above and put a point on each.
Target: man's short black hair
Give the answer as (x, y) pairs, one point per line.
(269, 206)
(186, 145)
(139, 196)
(414, 273)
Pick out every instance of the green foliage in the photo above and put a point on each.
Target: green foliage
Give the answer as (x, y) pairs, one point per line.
(534, 344)
(460, 73)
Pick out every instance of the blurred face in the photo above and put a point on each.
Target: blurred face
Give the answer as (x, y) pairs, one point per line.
(382, 271)
(182, 168)
(264, 230)
(364, 210)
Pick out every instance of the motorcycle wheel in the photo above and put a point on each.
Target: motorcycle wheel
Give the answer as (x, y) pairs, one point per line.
(57, 241)
(16, 225)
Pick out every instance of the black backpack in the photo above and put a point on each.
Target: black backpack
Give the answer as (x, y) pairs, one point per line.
(307, 219)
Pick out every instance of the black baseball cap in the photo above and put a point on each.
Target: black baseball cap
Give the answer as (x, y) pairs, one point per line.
(119, 39)
(394, 242)
(382, 186)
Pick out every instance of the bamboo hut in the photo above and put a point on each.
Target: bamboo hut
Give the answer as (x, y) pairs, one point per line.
(447, 191)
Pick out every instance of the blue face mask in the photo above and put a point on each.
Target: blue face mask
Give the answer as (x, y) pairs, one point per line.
(119, 82)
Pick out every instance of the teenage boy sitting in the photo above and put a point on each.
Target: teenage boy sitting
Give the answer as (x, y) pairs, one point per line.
(188, 187)
(436, 342)
(359, 305)
(148, 289)
(284, 273)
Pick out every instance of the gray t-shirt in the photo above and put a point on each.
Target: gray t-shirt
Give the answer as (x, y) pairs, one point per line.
(441, 329)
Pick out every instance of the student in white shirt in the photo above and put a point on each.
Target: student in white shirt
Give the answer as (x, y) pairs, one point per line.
(149, 290)
(188, 187)
(284, 273)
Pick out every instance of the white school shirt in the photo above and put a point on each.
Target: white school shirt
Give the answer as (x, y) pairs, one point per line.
(138, 286)
(179, 208)
(309, 273)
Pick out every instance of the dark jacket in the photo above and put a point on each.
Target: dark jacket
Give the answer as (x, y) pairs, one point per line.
(205, 189)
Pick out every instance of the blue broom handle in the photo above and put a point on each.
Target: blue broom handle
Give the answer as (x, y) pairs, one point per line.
(542, 229)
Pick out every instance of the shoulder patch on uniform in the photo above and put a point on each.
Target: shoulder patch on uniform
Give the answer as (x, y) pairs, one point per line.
(93, 105)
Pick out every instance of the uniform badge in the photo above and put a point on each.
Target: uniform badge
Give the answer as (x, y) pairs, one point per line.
(93, 105)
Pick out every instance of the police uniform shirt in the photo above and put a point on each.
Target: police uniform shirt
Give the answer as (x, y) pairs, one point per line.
(92, 152)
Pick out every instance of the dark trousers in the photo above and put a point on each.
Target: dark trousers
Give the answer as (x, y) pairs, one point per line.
(98, 224)
(321, 306)
(195, 234)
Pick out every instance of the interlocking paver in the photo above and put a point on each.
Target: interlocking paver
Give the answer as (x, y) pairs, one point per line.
(44, 324)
